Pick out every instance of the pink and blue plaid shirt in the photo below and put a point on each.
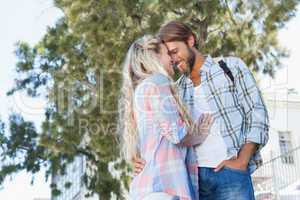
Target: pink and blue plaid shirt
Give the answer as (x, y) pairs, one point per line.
(169, 168)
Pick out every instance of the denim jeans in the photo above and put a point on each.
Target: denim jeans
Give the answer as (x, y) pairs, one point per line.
(227, 184)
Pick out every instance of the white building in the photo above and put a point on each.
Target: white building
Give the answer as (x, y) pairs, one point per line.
(282, 153)
(74, 175)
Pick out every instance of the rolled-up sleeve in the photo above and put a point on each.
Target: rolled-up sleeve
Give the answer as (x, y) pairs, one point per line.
(256, 115)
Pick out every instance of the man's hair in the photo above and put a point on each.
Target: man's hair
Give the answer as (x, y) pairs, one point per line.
(176, 31)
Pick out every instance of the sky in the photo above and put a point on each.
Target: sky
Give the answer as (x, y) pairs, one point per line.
(27, 20)
(289, 76)
(22, 20)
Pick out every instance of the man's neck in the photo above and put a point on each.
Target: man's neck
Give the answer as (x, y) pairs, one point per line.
(199, 61)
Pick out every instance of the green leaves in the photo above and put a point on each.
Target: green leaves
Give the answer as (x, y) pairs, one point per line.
(26, 57)
(20, 150)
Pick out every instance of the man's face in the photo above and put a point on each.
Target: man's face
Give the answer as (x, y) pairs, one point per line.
(182, 55)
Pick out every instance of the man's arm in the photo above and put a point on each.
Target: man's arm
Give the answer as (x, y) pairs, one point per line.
(256, 116)
(241, 162)
(138, 165)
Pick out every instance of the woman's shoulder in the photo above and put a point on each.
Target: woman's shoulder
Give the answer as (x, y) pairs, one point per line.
(152, 83)
(157, 79)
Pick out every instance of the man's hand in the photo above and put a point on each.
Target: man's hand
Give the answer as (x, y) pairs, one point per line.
(240, 163)
(138, 165)
(233, 163)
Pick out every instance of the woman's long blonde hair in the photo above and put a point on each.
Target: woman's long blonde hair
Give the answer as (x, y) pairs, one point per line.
(141, 62)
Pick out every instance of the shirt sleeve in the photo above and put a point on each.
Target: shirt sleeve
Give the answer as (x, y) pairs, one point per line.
(256, 115)
(160, 108)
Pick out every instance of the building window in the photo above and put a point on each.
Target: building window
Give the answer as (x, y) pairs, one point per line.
(285, 144)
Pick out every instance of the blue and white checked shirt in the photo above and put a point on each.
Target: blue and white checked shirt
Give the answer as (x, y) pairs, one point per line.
(239, 105)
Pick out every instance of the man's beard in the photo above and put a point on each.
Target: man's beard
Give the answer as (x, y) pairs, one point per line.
(190, 61)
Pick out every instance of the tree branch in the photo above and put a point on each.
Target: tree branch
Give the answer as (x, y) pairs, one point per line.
(230, 13)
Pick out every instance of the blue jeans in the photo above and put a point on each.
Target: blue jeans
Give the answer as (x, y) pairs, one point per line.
(227, 184)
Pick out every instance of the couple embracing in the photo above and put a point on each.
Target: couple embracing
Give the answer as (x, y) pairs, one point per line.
(198, 137)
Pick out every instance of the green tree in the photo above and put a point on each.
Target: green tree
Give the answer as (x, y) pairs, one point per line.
(77, 64)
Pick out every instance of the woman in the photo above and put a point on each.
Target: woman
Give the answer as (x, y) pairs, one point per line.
(156, 125)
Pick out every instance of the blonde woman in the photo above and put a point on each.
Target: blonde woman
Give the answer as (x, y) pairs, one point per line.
(155, 124)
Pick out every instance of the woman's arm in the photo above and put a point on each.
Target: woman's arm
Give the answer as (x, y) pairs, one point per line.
(155, 100)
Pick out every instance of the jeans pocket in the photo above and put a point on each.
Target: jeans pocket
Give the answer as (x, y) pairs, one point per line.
(236, 170)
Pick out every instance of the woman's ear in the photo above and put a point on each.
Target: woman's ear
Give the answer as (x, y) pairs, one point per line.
(191, 41)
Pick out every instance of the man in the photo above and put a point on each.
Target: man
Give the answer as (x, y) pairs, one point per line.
(228, 90)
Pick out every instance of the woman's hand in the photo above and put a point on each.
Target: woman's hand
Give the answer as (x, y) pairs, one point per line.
(204, 124)
(200, 131)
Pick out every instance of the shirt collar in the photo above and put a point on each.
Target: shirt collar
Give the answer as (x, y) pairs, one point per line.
(208, 63)
(184, 79)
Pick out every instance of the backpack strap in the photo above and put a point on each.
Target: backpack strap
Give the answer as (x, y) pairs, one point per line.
(226, 70)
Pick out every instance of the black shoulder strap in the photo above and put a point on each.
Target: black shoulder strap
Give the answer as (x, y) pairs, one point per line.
(227, 71)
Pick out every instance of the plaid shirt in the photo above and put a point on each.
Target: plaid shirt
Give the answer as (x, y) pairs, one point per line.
(239, 105)
(169, 168)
